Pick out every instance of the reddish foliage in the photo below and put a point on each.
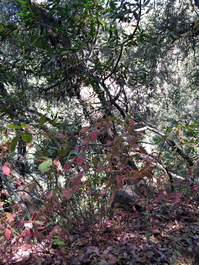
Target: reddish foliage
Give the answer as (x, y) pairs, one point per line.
(8, 234)
(6, 170)
(80, 160)
(74, 223)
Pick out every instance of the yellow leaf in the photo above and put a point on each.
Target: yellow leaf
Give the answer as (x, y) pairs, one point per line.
(10, 217)
(2, 26)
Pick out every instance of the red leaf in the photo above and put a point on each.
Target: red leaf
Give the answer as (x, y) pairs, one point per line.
(80, 160)
(84, 129)
(8, 234)
(6, 170)
(6, 146)
(55, 229)
(78, 180)
(176, 195)
(143, 150)
(100, 169)
(120, 181)
(61, 136)
(134, 215)
(158, 198)
(25, 247)
(57, 163)
(50, 194)
(68, 164)
(112, 197)
(86, 166)
(68, 193)
(93, 135)
(155, 231)
(27, 234)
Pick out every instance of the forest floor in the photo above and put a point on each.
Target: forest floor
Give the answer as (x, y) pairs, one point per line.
(168, 233)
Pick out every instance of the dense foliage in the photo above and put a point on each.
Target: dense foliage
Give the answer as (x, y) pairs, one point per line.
(99, 110)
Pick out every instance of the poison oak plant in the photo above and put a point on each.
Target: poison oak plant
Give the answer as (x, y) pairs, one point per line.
(77, 191)
(93, 172)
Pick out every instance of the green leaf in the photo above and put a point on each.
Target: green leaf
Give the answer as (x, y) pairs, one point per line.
(177, 253)
(168, 129)
(12, 126)
(42, 119)
(44, 166)
(173, 260)
(197, 122)
(14, 143)
(27, 138)
(148, 235)
(22, 14)
(23, 2)
(63, 151)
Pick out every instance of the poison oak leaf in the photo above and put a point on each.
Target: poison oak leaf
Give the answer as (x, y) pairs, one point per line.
(135, 215)
(50, 194)
(61, 136)
(80, 160)
(143, 150)
(93, 135)
(68, 164)
(57, 163)
(77, 181)
(8, 233)
(120, 181)
(27, 234)
(155, 231)
(25, 247)
(10, 217)
(6, 146)
(68, 193)
(157, 199)
(6, 170)
(100, 169)
(86, 166)
(112, 197)
(84, 129)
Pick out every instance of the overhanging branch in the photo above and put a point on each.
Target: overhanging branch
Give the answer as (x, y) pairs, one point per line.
(170, 142)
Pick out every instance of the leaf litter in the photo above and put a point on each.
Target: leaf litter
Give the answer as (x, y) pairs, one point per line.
(166, 234)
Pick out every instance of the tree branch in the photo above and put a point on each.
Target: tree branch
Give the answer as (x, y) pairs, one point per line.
(123, 44)
(170, 142)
